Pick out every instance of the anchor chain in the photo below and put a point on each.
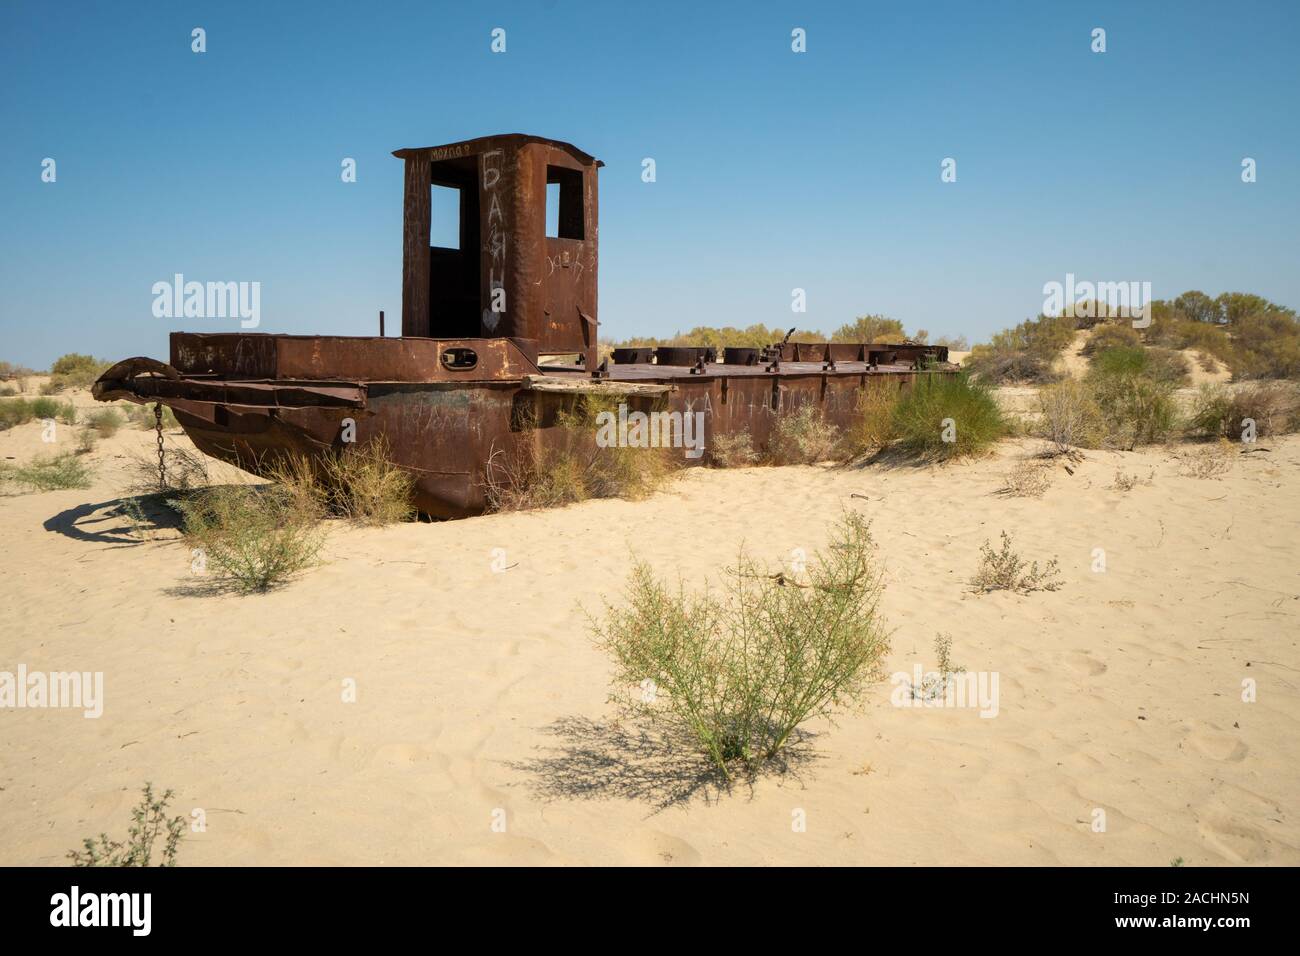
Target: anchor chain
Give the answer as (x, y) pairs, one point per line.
(157, 425)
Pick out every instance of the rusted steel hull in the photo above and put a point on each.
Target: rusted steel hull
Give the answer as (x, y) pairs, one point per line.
(249, 398)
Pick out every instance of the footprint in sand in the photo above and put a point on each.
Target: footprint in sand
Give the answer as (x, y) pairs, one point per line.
(1084, 663)
(653, 848)
(1239, 842)
(1218, 746)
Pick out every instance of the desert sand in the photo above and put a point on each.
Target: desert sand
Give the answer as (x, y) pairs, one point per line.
(480, 697)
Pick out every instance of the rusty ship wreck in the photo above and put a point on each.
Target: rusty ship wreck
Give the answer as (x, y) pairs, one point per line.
(497, 335)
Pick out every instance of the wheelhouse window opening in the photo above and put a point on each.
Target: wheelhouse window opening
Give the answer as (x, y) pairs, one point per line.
(564, 219)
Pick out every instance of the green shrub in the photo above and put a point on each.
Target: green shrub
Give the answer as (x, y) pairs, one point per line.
(50, 474)
(74, 371)
(149, 821)
(803, 437)
(941, 407)
(17, 411)
(871, 328)
(105, 421)
(738, 673)
(254, 538)
(1159, 365)
(1111, 335)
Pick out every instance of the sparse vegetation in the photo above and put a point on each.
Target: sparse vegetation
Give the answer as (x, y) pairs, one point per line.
(738, 673)
(1004, 570)
(149, 822)
(948, 416)
(253, 537)
(804, 437)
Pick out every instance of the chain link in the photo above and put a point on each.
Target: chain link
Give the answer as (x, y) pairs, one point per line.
(157, 425)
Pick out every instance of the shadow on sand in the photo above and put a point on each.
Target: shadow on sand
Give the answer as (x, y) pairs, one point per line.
(594, 760)
(118, 521)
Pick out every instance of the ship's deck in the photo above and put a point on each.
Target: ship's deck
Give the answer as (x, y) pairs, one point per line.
(642, 372)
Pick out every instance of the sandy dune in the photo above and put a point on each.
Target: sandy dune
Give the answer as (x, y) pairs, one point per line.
(480, 697)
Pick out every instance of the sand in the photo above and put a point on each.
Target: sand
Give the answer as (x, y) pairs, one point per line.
(480, 698)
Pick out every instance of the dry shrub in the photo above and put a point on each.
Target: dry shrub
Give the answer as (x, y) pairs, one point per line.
(737, 673)
(1071, 417)
(803, 437)
(1005, 570)
(1028, 479)
(1211, 461)
(187, 471)
(359, 483)
(873, 424)
(570, 466)
(1221, 412)
(732, 451)
(1126, 482)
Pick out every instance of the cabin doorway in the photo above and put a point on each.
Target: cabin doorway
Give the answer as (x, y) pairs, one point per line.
(454, 251)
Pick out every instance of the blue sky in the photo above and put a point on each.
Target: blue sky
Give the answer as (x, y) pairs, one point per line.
(775, 170)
